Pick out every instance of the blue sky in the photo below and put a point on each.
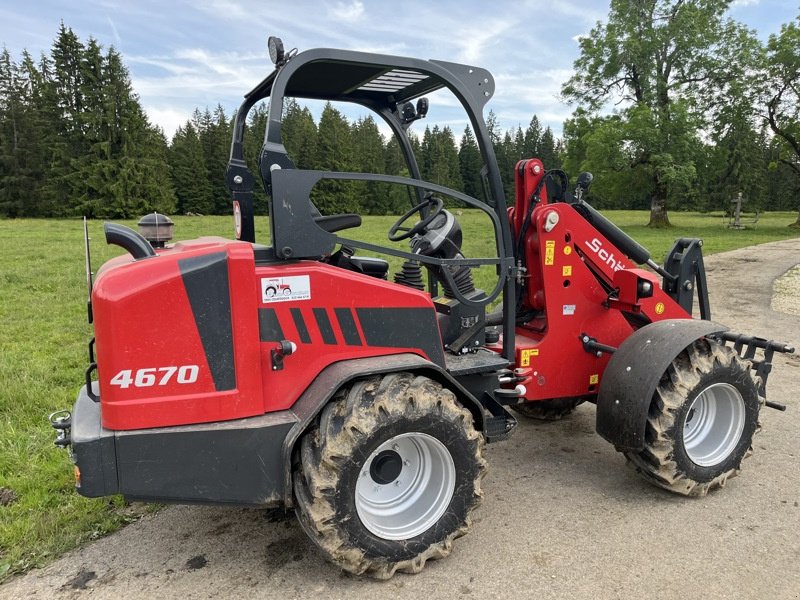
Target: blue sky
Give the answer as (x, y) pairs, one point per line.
(183, 55)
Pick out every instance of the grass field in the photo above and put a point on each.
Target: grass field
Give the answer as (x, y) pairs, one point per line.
(43, 337)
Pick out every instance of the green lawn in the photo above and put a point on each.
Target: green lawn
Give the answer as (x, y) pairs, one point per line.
(43, 337)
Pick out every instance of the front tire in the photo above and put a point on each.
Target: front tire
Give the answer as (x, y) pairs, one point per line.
(701, 423)
(388, 476)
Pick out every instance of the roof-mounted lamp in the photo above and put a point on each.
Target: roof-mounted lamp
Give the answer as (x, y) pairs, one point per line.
(276, 52)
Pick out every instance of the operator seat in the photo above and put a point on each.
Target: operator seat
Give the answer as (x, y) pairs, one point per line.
(367, 265)
(374, 267)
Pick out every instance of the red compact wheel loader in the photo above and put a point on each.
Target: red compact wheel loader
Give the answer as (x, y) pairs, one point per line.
(297, 374)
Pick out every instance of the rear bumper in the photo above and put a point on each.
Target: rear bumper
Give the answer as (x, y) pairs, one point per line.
(93, 449)
(232, 462)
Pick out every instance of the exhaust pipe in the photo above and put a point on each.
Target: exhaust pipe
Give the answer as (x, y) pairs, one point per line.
(130, 240)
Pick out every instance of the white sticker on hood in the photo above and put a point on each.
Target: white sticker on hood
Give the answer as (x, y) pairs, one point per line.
(284, 289)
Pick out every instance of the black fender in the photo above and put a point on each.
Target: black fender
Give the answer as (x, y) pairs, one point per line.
(334, 376)
(633, 373)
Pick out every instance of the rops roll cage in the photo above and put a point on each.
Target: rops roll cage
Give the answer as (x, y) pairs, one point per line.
(383, 84)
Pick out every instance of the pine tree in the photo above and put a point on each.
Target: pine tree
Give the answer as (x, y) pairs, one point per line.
(470, 165)
(12, 115)
(548, 151)
(299, 135)
(334, 153)
(368, 151)
(65, 108)
(218, 144)
(452, 167)
(397, 197)
(189, 175)
(532, 141)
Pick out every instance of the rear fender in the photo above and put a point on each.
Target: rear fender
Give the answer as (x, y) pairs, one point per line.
(633, 373)
(331, 379)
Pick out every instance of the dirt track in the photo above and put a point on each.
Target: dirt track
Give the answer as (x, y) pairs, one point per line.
(562, 518)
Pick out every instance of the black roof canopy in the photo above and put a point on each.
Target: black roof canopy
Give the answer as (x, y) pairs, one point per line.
(375, 79)
(381, 84)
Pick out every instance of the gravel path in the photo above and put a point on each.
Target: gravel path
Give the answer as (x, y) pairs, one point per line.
(562, 517)
(786, 297)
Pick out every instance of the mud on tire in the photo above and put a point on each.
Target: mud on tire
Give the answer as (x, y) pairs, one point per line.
(547, 410)
(354, 439)
(701, 422)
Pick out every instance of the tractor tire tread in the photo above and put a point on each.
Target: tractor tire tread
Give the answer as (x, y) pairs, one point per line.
(343, 423)
(655, 462)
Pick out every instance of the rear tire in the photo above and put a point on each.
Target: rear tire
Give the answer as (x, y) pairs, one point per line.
(702, 419)
(388, 476)
(547, 410)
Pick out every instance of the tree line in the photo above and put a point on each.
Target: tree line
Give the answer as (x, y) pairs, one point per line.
(676, 106)
(679, 105)
(199, 150)
(74, 139)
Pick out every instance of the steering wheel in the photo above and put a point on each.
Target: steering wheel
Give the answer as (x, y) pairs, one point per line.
(437, 205)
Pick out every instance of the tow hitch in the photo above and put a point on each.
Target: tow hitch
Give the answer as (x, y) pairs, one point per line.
(61, 421)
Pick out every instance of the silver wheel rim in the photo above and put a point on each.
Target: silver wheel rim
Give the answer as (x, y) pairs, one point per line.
(714, 424)
(411, 503)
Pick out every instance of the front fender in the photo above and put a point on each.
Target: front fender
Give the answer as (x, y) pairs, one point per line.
(633, 373)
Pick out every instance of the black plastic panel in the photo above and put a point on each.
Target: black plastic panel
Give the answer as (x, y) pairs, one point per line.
(269, 327)
(402, 328)
(231, 462)
(206, 281)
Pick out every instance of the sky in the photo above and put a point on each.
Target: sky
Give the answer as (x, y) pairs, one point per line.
(186, 54)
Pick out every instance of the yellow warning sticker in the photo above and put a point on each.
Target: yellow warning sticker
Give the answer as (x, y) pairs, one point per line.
(549, 252)
(593, 379)
(660, 308)
(566, 271)
(567, 250)
(525, 356)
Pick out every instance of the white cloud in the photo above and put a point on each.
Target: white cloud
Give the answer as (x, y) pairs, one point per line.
(347, 12)
(737, 3)
(167, 117)
(473, 40)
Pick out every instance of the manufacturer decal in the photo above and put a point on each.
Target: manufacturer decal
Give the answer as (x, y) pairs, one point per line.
(568, 310)
(549, 252)
(596, 246)
(284, 289)
(525, 356)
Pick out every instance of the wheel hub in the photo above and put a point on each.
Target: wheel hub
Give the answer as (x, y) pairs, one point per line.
(386, 467)
(714, 424)
(405, 486)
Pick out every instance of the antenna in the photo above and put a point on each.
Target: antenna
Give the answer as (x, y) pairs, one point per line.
(89, 283)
